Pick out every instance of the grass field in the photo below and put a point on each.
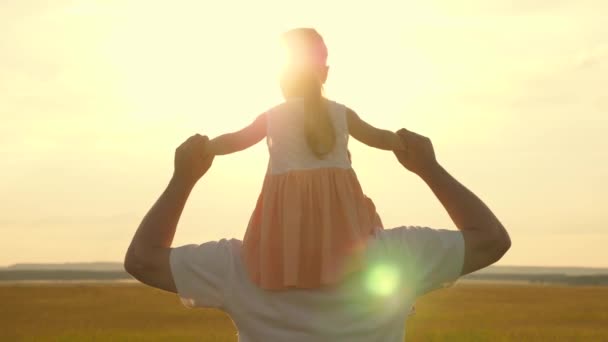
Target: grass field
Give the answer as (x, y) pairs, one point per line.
(463, 313)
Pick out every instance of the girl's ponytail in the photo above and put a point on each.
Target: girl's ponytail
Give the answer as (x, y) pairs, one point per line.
(318, 126)
(307, 57)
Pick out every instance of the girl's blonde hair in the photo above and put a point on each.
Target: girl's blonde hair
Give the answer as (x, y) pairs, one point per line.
(304, 75)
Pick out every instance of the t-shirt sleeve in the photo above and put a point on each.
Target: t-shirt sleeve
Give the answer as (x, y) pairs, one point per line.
(200, 273)
(427, 258)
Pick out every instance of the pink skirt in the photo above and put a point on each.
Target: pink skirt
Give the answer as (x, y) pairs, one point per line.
(307, 229)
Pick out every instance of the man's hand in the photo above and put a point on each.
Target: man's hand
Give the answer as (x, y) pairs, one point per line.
(418, 156)
(192, 159)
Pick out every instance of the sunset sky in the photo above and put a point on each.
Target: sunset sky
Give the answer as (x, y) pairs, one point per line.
(96, 95)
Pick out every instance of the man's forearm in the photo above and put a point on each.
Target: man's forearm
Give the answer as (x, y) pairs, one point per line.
(466, 210)
(486, 240)
(148, 258)
(157, 229)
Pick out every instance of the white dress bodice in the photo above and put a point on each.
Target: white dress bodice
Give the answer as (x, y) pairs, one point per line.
(287, 144)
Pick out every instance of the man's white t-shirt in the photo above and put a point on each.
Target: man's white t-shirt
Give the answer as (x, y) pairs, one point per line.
(372, 305)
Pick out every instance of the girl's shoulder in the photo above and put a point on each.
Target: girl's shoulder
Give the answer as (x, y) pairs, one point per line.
(295, 105)
(338, 107)
(285, 106)
(298, 101)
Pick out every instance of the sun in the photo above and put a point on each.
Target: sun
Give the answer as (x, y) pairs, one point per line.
(187, 63)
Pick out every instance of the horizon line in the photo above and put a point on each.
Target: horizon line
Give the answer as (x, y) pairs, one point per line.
(120, 262)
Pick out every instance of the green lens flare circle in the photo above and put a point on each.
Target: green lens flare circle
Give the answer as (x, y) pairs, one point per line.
(382, 280)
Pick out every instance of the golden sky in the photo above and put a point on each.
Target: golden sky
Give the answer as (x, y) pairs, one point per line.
(96, 95)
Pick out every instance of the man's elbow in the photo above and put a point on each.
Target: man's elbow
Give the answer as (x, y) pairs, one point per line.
(130, 264)
(134, 264)
(501, 243)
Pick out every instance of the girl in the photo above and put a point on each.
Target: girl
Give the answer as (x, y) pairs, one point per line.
(311, 216)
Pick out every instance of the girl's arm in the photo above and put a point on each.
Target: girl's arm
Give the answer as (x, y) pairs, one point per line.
(240, 140)
(370, 135)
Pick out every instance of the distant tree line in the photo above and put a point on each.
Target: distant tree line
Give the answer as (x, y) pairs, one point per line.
(41, 275)
(599, 279)
(75, 275)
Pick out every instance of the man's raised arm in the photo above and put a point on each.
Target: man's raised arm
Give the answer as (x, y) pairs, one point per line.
(486, 240)
(147, 258)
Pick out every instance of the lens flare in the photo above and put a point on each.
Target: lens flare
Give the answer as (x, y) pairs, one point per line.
(383, 280)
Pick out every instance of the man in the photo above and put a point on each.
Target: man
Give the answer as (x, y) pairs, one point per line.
(401, 263)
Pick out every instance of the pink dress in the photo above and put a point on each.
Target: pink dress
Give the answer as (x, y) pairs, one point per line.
(311, 217)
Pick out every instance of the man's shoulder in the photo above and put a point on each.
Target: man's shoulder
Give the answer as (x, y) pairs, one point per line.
(201, 271)
(406, 233)
(413, 239)
(223, 248)
(403, 237)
